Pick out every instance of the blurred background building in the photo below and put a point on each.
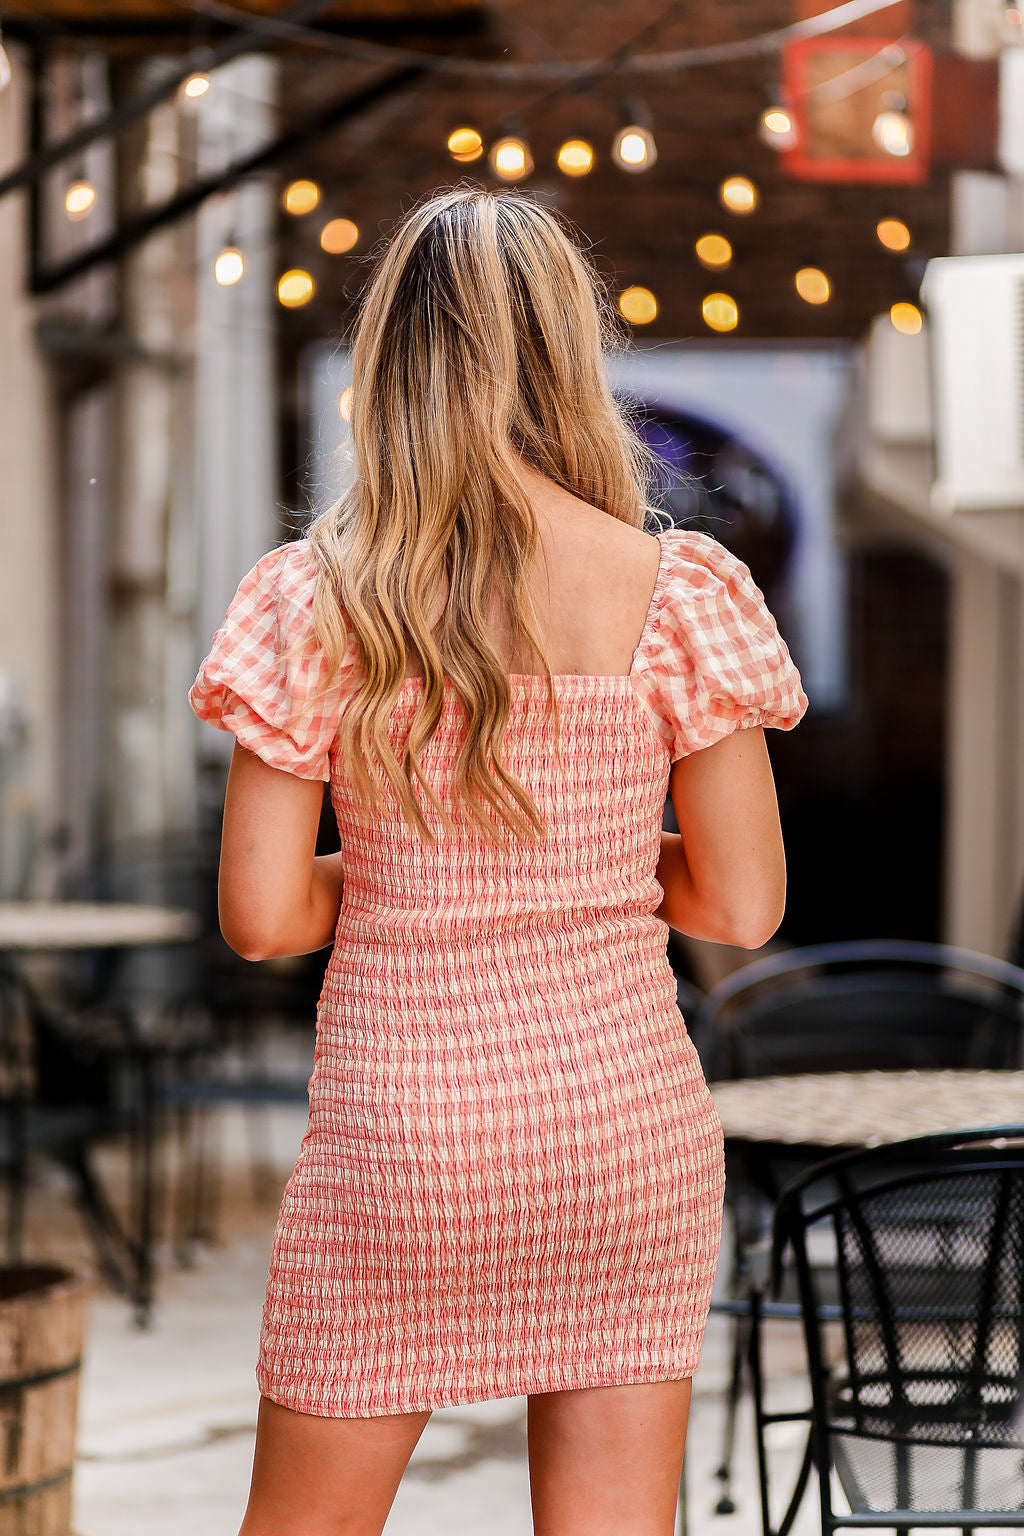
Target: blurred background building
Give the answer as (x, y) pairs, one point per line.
(189, 195)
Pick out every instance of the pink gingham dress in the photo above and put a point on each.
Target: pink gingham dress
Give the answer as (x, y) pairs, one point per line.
(512, 1176)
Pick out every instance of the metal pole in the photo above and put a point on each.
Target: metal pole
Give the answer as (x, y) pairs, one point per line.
(42, 158)
(134, 230)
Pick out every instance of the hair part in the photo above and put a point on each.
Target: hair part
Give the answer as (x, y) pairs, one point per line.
(479, 349)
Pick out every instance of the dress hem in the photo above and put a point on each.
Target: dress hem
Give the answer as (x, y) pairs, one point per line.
(623, 1377)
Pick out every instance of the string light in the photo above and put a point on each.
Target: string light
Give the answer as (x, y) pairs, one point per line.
(777, 128)
(510, 158)
(891, 129)
(713, 251)
(79, 199)
(465, 145)
(720, 311)
(295, 288)
(634, 149)
(738, 194)
(300, 197)
(893, 234)
(345, 404)
(339, 236)
(812, 285)
(196, 85)
(229, 266)
(638, 305)
(575, 157)
(906, 318)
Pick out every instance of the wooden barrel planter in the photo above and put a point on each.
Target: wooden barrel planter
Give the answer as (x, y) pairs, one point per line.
(42, 1326)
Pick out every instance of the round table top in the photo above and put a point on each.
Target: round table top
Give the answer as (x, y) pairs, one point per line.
(92, 925)
(864, 1109)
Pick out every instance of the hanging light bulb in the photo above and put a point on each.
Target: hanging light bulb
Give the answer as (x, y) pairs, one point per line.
(812, 285)
(720, 311)
(229, 266)
(79, 199)
(893, 234)
(892, 130)
(295, 288)
(638, 305)
(465, 145)
(575, 157)
(338, 236)
(713, 251)
(300, 197)
(906, 318)
(738, 194)
(634, 149)
(510, 158)
(777, 128)
(196, 85)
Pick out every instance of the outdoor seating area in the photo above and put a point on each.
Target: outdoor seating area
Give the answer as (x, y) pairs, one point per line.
(799, 229)
(902, 1146)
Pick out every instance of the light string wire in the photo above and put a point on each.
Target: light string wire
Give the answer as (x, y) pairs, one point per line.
(575, 76)
(622, 61)
(572, 78)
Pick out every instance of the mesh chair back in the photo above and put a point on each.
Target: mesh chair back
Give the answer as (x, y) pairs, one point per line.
(921, 1406)
(863, 1006)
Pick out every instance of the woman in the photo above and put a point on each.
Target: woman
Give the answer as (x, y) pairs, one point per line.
(511, 1181)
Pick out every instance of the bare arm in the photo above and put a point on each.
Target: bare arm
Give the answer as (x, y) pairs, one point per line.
(275, 896)
(724, 872)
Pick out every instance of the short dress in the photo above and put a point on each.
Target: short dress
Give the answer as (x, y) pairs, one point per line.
(512, 1176)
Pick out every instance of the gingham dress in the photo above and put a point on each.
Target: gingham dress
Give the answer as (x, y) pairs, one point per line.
(512, 1176)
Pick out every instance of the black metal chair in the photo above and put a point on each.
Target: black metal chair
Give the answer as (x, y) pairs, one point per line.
(885, 1005)
(67, 1086)
(917, 1369)
(204, 1017)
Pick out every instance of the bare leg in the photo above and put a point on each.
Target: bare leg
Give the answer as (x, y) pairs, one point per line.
(326, 1477)
(606, 1461)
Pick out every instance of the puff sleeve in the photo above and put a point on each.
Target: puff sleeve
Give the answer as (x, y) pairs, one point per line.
(713, 661)
(264, 677)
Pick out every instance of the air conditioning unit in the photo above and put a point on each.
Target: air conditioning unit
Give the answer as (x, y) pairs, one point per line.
(976, 329)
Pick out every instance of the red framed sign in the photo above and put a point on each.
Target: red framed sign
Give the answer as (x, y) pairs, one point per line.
(844, 93)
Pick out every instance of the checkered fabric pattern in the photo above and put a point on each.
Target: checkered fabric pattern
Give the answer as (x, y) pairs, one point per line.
(712, 660)
(512, 1176)
(262, 680)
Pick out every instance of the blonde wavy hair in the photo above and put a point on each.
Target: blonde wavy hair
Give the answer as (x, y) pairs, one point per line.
(478, 350)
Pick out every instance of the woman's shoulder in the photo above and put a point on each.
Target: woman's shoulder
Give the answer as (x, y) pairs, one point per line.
(698, 556)
(275, 596)
(700, 581)
(265, 678)
(712, 659)
(284, 569)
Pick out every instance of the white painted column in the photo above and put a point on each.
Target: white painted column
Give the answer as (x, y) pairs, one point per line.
(29, 612)
(235, 402)
(984, 863)
(985, 784)
(148, 783)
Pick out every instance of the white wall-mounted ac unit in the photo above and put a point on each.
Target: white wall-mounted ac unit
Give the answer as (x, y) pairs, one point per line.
(976, 328)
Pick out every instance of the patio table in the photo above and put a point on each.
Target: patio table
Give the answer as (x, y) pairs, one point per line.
(775, 1127)
(35, 927)
(55, 925)
(837, 1110)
